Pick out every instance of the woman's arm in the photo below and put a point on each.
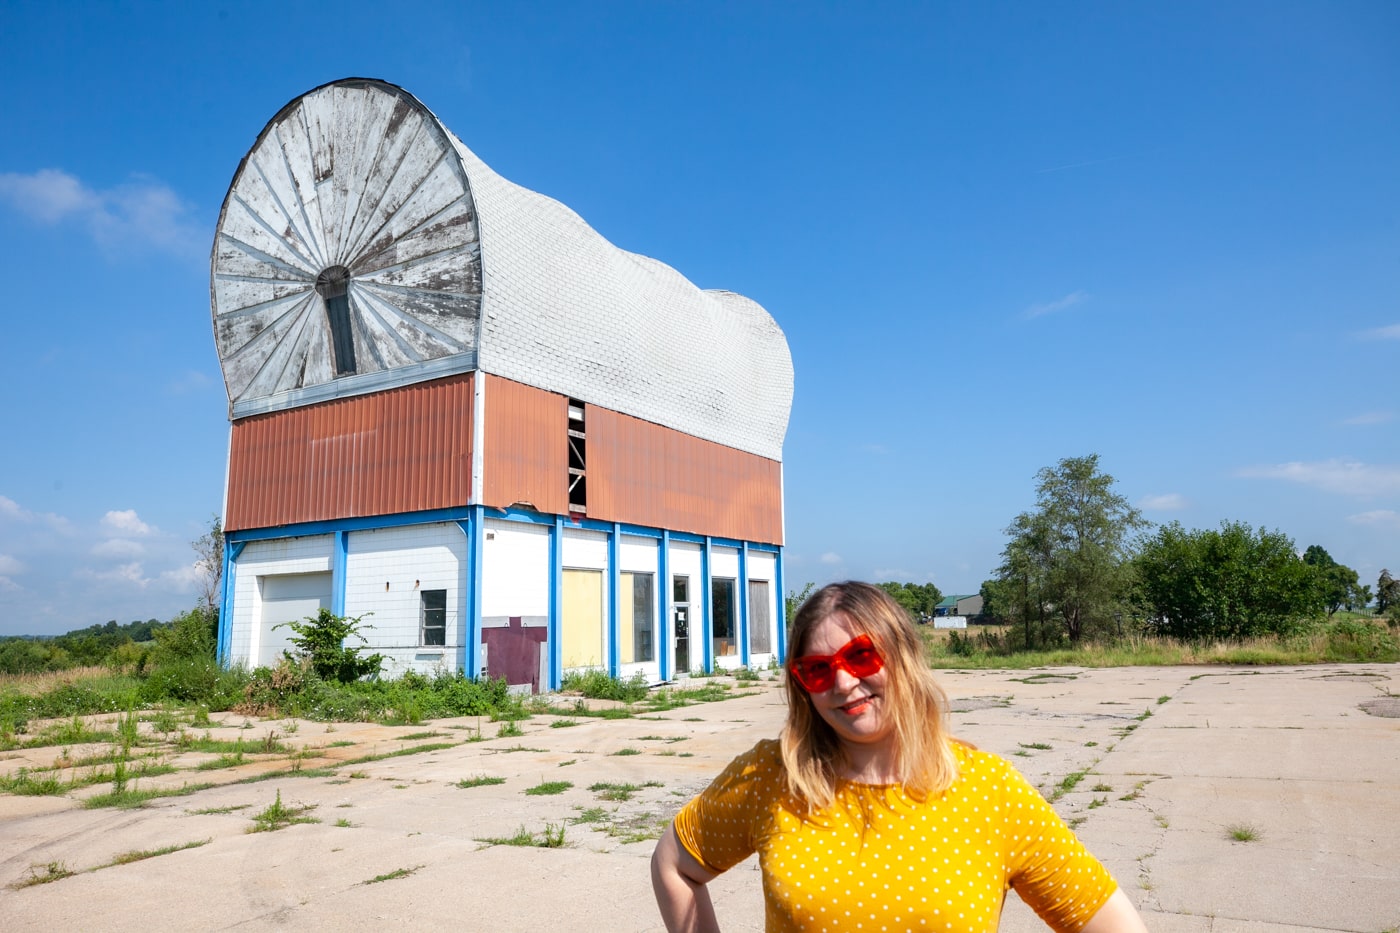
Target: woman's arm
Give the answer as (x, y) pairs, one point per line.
(1117, 915)
(678, 880)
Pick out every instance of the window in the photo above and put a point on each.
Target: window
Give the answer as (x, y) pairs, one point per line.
(433, 620)
(722, 599)
(760, 618)
(333, 285)
(636, 619)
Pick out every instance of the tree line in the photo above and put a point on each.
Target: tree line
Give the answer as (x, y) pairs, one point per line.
(1085, 564)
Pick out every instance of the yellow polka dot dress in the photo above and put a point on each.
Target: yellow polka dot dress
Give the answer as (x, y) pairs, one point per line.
(878, 859)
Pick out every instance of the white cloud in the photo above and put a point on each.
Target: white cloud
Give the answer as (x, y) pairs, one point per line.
(9, 508)
(124, 522)
(1389, 332)
(1069, 301)
(831, 557)
(12, 510)
(140, 213)
(1166, 502)
(119, 548)
(1370, 417)
(1340, 476)
(1382, 517)
(126, 573)
(182, 578)
(10, 566)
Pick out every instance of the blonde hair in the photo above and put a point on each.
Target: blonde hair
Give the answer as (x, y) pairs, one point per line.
(812, 751)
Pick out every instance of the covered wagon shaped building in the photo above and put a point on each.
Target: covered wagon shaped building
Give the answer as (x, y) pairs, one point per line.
(459, 412)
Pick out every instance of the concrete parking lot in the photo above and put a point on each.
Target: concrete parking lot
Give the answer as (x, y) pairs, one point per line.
(1222, 799)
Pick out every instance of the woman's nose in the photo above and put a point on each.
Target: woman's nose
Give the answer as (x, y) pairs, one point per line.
(845, 680)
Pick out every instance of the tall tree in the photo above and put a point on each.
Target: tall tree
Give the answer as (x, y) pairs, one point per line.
(209, 563)
(918, 599)
(1074, 548)
(1387, 592)
(1230, 583)
(1336, 583)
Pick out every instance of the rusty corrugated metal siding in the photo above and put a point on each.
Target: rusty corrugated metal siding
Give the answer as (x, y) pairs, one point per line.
(645, 474)
(400, 450)
(526, 447)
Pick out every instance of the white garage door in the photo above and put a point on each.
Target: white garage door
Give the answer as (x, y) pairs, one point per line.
(288, 598)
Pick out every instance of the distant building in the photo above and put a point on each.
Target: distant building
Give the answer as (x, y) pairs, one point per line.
(460, 412)
(968, 605)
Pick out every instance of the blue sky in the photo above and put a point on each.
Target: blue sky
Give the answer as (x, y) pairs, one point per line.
(996, 235)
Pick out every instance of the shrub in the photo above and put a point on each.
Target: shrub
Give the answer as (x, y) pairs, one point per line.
(195, 680)
(322, 637)
(597, 685)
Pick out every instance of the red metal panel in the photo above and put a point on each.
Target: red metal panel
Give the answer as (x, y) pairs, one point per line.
(400, 450)
(526, 447)
(645, 474)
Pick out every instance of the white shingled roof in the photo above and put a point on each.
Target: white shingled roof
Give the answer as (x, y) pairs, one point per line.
(560, 308)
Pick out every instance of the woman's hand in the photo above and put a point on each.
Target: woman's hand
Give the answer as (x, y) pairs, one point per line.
(1117, 915)
(679, 880)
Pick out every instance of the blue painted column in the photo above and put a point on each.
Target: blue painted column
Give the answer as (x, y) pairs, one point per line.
(232, 550)
(663, 624)
(340, 558)
(782, 610)
(707, 625)
(556, 603)
(614, 586)
(470, 661)
(742, 629)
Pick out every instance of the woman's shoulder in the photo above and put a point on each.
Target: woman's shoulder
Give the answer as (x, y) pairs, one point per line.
(978, 766)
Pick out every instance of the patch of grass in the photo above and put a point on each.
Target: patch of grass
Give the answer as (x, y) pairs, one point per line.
(137, 855)
(412, 750)
(519, 748)
(591, 815)
(214, 810)
(481, 780)
(1068, 783)
(414, 736)
(551, 837)
(1040, 746)
(392, 875)
(548, 788)
(1101, 788)
(628, 751)
(342, 743)
(1162, 699)
(44, 874)
(278, 815)
(509, 730)
(131, 799)
(1242, 832)
(571, 761)
(612, 791)
(1145, 714)
(24, 784)
(1097, 802)
(562, 724)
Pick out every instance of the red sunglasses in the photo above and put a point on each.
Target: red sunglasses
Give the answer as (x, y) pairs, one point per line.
(858, 657)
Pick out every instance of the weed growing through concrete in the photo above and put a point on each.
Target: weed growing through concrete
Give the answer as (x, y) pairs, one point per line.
(562, 724)
(571, 761)
(137, 855)
(279, 816)
(1097, 802)
(343, 823)
(206, 811)
(1101, 788)
(481, 780)
(548, 788)
(591, 815)
(551, 837)
(1162, 699)
(509, 730)
(44, 874)
(628, 751)
(393, 875)
(1039, 746)
(1242, 832)
(1068, 783)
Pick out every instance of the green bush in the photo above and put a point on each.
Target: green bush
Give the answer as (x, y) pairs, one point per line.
(597, 685)
(1354, 640)
(195, 680)
(322, 637)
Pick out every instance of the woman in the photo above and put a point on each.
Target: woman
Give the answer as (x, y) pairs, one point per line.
(866, 814)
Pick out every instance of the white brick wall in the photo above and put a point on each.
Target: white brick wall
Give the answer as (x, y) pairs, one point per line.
(408, 559)
(268, 558)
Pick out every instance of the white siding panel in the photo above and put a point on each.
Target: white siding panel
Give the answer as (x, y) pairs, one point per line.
(724, 562)
(637, 554)
(585, 549)
(515, 569)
